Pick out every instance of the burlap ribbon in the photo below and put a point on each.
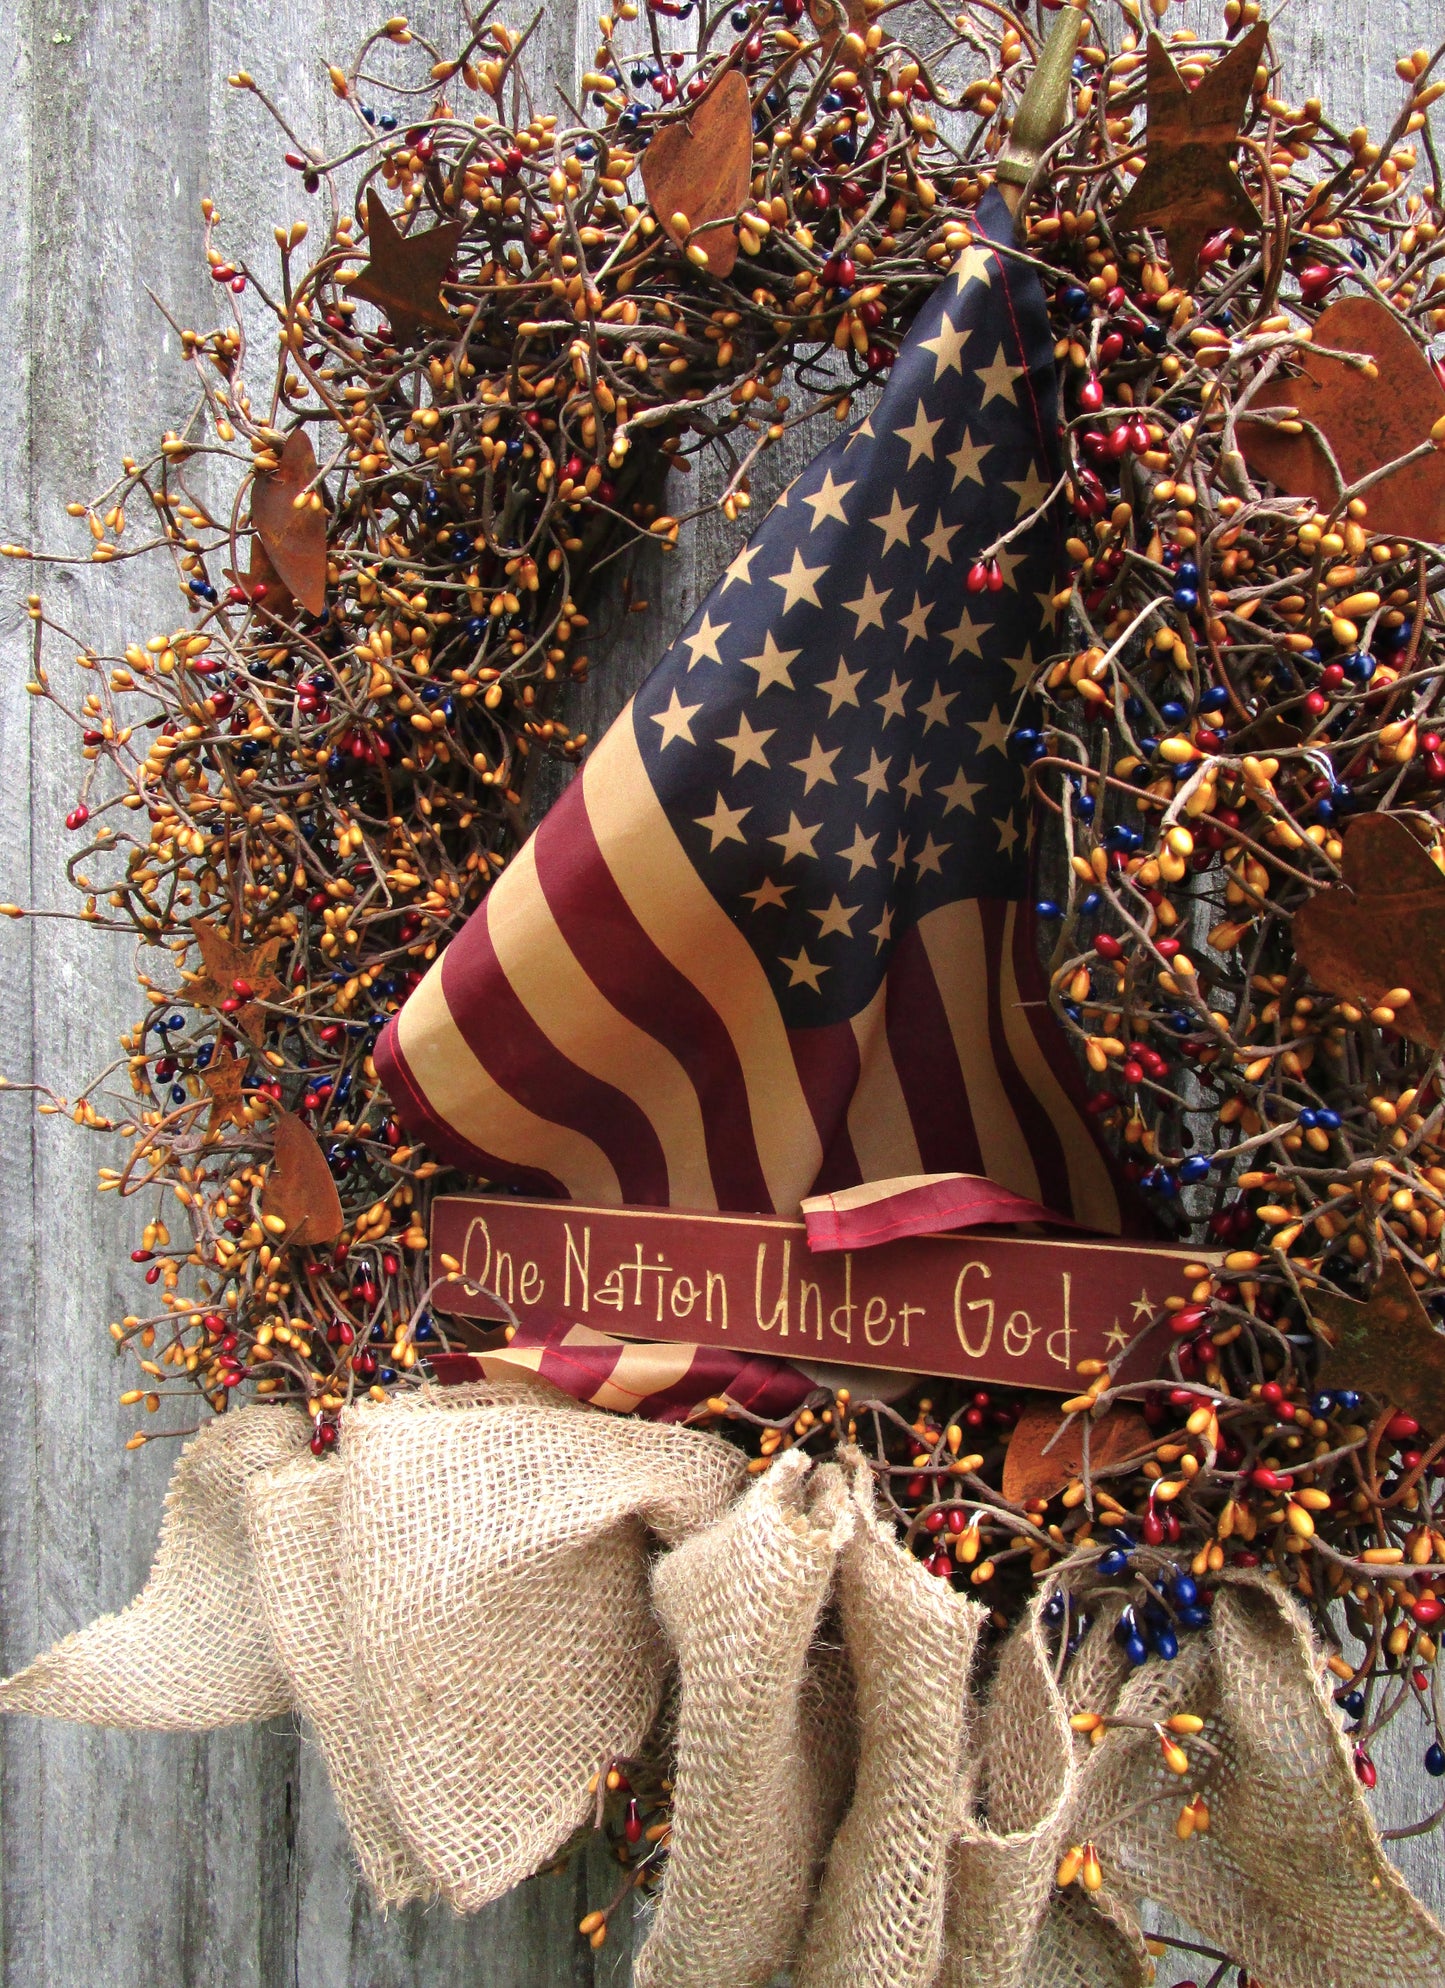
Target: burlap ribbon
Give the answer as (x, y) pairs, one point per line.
(479, 1601)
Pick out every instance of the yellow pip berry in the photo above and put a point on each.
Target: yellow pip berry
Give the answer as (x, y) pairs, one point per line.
(1092, 1873)
(1175, 1758)
(1070, 1865)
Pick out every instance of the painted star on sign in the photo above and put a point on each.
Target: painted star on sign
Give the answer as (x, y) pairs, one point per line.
(947, 349)
(960, 791)
(746, 745)
(1116, 1338)
(875, 779)
(817, 767)
(859, 854)
(769, 892)
(997, 378)
(740, 572)
(842, 687)
(802, 971)
(676, 721)
(967, 461)
(891, 702)
(772, 665)
(827, 501)
(1143, 1306)
(916, 621)
(724, 824)
(869, 606)
(796, 840)
(938, 541)
(992, 731)
(837, 918)
(702, 643)
(798, 582)
(894, 524)
(919, 436)
(936, 709)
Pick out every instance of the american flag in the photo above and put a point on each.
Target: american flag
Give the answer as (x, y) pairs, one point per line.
(775, 939)
(663, 1381)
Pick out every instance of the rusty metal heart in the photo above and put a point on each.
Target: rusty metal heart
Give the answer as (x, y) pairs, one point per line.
(1382, 928)
(1384, 1345)
(1029, 1471)
(702, 167)
(299, 1188)
(294, 538)
(1366, 421)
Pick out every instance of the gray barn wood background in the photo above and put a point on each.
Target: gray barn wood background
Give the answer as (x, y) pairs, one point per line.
(135, 1859)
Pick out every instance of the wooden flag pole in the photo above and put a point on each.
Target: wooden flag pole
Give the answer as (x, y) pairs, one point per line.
(1041, 113)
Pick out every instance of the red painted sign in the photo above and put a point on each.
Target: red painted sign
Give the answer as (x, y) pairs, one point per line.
(998, 1308)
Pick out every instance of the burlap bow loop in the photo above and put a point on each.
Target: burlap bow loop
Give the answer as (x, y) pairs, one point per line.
(1275, 1774)
(192, 1650)
(458, 1602)
(1285, 1806)
(758, 1736)
(467, 1604)
(910, 1642)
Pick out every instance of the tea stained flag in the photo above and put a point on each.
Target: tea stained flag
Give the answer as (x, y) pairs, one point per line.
(775, 939)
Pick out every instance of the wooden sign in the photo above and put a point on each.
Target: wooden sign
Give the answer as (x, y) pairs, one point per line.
(997, 1308)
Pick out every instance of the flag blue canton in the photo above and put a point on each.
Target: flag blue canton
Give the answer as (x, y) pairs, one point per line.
(829, 737)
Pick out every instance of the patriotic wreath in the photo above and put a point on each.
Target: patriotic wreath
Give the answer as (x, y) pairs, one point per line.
(397, 541)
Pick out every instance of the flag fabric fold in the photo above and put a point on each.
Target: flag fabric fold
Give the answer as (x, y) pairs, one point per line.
(662, 1381)
(775, 940)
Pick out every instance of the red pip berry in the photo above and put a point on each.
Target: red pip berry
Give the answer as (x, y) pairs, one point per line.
(78, 816)
(632, 1826)
(1365, 1767)
(1188, 1319)
(1315, 281)
(1271, 1480)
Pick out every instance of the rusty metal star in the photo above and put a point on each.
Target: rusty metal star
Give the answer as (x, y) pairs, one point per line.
(1188, 188)
(1384, 1345)
(224, 965)
(222, 1078)
(404, 274)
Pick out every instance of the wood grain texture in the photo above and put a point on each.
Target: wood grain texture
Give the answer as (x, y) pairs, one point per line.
(220, 1860)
